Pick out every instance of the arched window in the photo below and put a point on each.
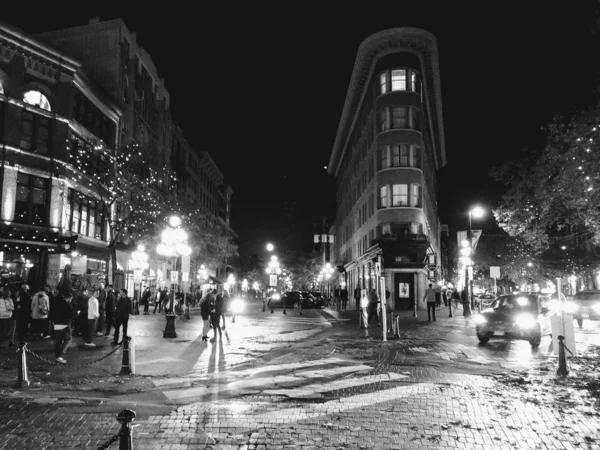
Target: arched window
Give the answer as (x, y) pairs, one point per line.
(36, 98)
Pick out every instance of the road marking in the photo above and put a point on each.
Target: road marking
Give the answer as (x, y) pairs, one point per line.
(253, 371)
(264, 381)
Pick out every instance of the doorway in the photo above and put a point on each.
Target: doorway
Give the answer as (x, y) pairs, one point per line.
(405, 290)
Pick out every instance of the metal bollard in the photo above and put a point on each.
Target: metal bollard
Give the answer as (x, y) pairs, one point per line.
(125, 367)
(450, 308)
(264, 305)
(22, 379)
(125, 418)
(562, 357)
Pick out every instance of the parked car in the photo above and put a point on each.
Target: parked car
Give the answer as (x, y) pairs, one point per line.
(319, 299)
(292, 299)
(515, 316)
(584, 305)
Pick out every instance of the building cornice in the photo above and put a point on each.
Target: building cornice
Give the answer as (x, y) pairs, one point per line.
(419, 42)
(21, 40)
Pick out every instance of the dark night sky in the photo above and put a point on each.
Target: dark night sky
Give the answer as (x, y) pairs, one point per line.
(262, 90)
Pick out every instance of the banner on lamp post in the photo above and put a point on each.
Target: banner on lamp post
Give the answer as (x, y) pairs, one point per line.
(272, 280)
(174, 276)
(185, 276)
(185, 264)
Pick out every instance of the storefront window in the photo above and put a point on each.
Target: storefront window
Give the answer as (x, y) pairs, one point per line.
(85, 215)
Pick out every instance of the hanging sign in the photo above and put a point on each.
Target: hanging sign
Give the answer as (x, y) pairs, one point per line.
(174, 276)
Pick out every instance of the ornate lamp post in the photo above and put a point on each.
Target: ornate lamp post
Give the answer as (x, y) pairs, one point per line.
(173, 245)
(245, 287)
(138, 263)
(273, 270)
(325, 275)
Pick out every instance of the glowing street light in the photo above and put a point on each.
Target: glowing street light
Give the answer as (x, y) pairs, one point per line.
(173, 245)
(270, 247)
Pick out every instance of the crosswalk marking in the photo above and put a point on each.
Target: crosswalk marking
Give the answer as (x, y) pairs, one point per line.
(253, 371)
(242, 385)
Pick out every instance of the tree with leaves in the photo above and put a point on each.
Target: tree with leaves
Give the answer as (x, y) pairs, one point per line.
(552, 200)
(129, 192)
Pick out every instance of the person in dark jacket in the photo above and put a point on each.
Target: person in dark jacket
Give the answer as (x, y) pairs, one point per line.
(146, 300)
(215, 315)
(82, 306)
(123, 310)
(205, 307)
(63, 315)
(23, 308)
(109, 308)
(101, 311)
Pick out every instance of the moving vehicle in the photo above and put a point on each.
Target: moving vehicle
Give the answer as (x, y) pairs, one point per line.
(515, 316)
(486, 300)
(584, 305)
(319, 299)
(292, 299)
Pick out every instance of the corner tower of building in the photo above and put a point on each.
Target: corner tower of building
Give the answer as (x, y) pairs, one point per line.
(388, 148)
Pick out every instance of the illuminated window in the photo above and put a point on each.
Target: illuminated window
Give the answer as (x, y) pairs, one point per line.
(399, 80)
(35, 132)
(31, 206)
(415, 195)
(383, 196)
(1, 88)
(383, 83)
(416, 228)
(399, 195)
(36, 98)
(85, 215)
(400, 155)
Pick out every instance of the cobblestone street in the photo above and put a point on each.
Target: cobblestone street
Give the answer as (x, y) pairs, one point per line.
(436, 388)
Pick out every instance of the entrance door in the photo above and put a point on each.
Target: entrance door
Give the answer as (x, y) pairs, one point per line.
(405, 290)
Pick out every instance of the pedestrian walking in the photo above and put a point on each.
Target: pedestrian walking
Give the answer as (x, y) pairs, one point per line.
(146, 300)
(215, 316)
(92, 317)
(109, 309)
(429, 298)
(357, 297)
(224, 309)
(6, 312)
(337, 296)
(101, 310)
(63, 316)
(205, 306)
(40, 307)
(123, 310)
(438, 296)
(373, 306)
(81, 321)
(51, 293)
(24, 312)
(344, 297)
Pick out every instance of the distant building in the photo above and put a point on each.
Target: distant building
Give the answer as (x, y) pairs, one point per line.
(388, 147)
(111, 55)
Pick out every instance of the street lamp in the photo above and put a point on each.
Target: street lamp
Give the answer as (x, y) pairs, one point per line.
(273, 270)
(325, 275)
(245, 286)
(138, 263)
(270, 247)
(173, 245)
(466, 256)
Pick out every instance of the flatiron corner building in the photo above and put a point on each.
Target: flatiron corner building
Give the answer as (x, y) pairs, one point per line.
(387, 151)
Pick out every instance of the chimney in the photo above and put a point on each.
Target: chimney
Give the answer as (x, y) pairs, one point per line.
(94, 21)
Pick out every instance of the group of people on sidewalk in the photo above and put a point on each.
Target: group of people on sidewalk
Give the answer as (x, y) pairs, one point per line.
(50, 313)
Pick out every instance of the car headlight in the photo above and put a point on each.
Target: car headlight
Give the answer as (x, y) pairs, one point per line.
(237, 306)
(525, 321)
(479, 319)
(571, 307)
(276, 296)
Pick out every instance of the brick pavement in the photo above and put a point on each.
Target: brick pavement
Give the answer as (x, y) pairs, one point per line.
(426, 408)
